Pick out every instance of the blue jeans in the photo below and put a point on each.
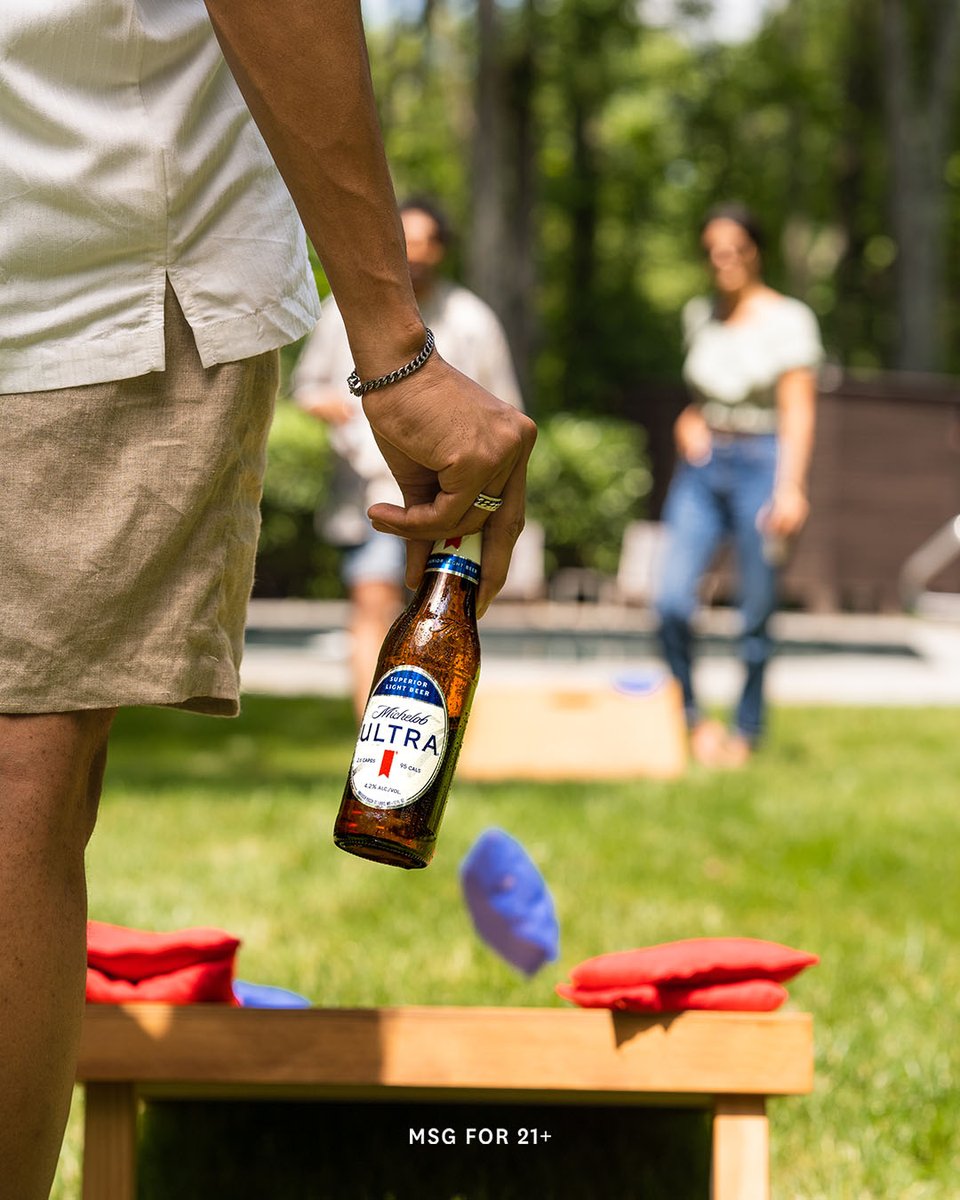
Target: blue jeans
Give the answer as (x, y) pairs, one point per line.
(706, 504)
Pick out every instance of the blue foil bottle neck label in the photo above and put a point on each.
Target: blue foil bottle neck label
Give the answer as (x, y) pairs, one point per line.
(457, 556)
(402, 740)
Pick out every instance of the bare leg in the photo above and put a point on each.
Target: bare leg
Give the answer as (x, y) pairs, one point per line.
(51, 772)
(375, 605)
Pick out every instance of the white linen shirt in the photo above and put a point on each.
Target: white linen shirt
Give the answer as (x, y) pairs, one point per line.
(127, 154)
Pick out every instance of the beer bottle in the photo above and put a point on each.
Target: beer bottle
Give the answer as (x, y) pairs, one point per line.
(416, 715)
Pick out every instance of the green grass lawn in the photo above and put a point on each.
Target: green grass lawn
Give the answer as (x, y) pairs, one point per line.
(840, 839)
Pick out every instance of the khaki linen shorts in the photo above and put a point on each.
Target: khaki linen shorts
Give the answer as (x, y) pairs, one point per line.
(130, 518)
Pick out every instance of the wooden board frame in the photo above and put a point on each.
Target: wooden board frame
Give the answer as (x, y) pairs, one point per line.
(728, 1063)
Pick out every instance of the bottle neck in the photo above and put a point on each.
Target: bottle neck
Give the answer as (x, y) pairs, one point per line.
(451, 576)
(457, 556)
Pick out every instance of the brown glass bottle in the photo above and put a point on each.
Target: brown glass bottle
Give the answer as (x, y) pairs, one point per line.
(416, 716)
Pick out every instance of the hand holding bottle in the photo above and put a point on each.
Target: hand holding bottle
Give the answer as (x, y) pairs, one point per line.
(416, 715)
(446, 440)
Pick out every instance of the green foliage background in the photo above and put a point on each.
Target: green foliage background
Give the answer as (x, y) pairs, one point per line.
(293, 560)
(793, 121)
(588, 478)
(636, 130)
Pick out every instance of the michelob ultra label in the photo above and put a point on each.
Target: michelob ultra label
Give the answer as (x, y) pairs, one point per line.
(402, 739)
(457, 556)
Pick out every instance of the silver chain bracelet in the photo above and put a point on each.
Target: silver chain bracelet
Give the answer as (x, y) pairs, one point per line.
(359, 388)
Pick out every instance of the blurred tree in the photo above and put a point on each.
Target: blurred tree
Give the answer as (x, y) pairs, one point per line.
(502, 252)
(921, 44)
(863, 326)
(422, 65)
(578, 148)
(486, 258)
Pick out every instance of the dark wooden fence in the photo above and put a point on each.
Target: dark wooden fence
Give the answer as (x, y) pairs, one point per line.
(885, 478)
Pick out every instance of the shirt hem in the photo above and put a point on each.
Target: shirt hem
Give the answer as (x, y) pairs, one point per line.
(80, 364)
(128, 356)
(268, 328)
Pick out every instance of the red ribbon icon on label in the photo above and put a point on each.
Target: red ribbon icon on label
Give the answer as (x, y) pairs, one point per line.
(386, 763)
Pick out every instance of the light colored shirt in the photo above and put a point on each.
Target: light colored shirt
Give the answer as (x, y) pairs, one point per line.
(732, 367)
(127, 154)
(469, 337)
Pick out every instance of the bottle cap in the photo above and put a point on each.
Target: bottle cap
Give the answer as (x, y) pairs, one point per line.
(457, 556)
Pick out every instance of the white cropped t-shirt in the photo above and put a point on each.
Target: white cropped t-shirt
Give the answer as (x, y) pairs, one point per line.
(732, 368)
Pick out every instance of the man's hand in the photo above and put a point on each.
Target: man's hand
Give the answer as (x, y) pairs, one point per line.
(446, 440)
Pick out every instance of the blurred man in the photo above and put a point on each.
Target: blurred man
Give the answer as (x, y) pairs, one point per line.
(471, 338)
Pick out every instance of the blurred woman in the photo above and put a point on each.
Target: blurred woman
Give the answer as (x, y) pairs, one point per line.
(744, 445)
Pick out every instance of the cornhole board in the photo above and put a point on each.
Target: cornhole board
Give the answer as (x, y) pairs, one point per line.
(554, 733)
(724, 1062)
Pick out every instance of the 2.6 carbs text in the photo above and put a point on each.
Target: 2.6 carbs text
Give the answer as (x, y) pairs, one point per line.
(477, 1136)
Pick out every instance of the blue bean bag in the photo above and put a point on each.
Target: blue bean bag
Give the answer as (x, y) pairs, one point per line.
(509, 902)
(262, 995)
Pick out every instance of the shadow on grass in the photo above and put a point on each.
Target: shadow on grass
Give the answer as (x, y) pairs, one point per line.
(327, 1151)
(291, 743)
(300, 745)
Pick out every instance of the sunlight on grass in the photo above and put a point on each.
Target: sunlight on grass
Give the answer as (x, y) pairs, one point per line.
(837, 840)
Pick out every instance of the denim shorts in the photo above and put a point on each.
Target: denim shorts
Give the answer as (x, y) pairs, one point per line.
(382, 558)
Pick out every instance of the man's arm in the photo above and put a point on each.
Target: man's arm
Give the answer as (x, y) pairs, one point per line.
(302, 68)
